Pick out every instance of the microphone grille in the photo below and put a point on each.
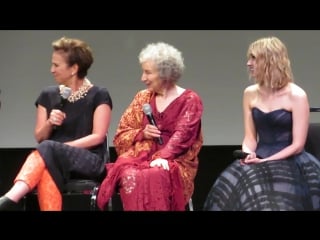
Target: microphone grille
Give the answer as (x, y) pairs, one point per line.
(65, 92)
(147, 108)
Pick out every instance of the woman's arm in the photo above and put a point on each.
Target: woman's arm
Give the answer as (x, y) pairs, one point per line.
(130, 127)
(43, 126)
(249, 142)
(187, 130)
(101, 123)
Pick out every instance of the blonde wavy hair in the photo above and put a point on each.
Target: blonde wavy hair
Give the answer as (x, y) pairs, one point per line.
(273, 63)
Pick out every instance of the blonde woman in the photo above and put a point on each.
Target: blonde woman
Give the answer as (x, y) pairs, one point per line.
(276, 174)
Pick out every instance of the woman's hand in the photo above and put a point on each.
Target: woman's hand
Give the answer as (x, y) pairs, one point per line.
(56, 117)
(151, 131)
(252, 158)
(160, 162)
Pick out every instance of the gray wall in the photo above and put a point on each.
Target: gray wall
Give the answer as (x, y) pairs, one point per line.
(215, 67)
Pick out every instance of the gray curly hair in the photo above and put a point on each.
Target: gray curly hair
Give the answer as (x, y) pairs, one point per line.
(167, 59)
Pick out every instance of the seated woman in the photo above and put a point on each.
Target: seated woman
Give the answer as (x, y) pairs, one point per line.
(277, 174)
(158, 139)
(71, 128)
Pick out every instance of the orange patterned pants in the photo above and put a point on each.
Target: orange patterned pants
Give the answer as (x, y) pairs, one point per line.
(34, 173)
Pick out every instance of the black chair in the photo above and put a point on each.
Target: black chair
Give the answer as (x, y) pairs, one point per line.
(78, 193)
(313, 137)
(314, 109)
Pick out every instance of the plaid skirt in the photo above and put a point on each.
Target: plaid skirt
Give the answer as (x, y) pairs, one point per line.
(291, 184)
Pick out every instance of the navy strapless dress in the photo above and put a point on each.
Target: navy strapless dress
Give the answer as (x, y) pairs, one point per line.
(291, 184)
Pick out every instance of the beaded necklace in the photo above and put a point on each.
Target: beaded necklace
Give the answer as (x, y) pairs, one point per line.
(80, 93)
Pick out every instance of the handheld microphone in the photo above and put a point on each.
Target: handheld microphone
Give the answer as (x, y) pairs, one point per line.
(64, 94)
(148, 111)
(239, 154)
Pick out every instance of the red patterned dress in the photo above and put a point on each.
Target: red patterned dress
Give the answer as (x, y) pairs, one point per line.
(141, 187)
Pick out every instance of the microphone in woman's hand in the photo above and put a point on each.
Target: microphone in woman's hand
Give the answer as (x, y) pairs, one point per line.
(148, 111)
(239, 154)
(64, 94)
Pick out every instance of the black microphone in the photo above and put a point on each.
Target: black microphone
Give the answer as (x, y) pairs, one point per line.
(64, 94)
(148, 111)
(239, 154)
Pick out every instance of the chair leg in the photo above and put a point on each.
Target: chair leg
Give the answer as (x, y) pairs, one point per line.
(190, 204)
(24, 202)
(110, 204)
(93, 199)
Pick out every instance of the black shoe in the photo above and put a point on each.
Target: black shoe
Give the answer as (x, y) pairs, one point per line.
(6, 204)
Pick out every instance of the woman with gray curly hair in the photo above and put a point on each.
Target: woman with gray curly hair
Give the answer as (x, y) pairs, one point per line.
(158, 138)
